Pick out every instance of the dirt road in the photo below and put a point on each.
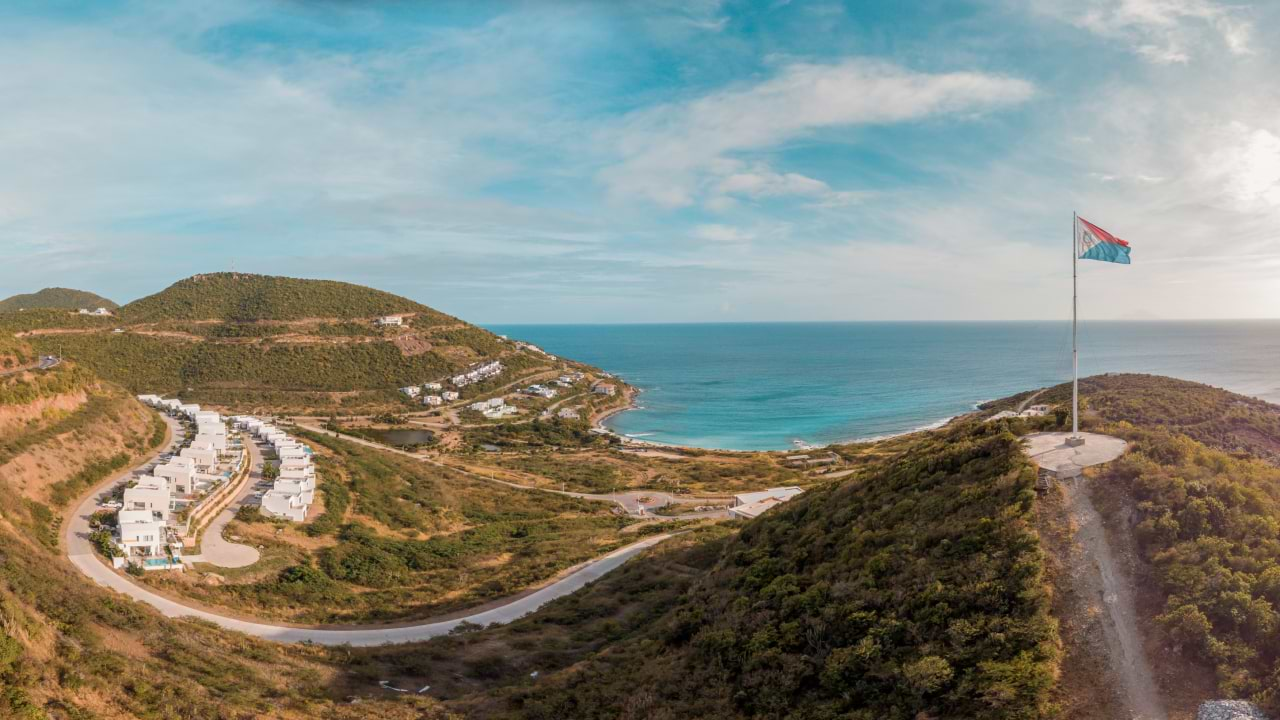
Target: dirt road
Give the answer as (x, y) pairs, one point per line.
(1099, 577)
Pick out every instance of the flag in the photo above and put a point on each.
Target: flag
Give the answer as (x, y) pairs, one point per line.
(1094, 243)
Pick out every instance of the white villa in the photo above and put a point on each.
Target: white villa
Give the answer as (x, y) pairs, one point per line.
(293, 491)
(140, 533)
(751, 505)
(390, 321)
(541, 391)
(1035, 411)
(412, 391)
(493, 408)
(432, 400)
(603, 388)
(433, 386)
(152, 495)
(476, 374)
(179, 470)
(102, 312)
(146, 516)
(450, 396)
(281, 503)
(568, 414)
(216, 441)
(203, 457)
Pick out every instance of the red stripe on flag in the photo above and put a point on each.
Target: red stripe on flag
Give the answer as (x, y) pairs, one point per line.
(1103, 235)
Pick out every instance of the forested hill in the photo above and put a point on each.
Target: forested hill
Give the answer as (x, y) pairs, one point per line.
(60, 298)
(912, 591)
(243, 297)
(276, 343)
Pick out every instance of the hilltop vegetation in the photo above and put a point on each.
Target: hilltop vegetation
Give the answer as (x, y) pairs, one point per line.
(56, 298)
(913, 592)
(276, 343)
(241, 297)
(1220, 419)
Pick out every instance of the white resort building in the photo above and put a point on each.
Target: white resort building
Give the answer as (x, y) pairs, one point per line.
(141, 535)
(478, 373)
(151, 505)
(294, 488)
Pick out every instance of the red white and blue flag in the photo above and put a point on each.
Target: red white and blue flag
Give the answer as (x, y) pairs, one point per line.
(1094, 243)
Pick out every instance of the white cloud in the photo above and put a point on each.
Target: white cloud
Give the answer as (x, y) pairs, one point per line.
(1246, 162)
(761, 181)
(721, 233)
(1161, 31)
(668, 151)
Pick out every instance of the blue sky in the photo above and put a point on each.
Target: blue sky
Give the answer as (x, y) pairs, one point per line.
(652, 161)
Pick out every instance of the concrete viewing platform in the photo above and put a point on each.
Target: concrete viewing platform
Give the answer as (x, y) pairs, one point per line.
(1051, 451)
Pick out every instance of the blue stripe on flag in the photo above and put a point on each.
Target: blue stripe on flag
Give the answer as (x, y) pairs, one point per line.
(1107, 252)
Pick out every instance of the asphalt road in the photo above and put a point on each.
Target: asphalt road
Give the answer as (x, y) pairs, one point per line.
(46, 362)
(373, 635)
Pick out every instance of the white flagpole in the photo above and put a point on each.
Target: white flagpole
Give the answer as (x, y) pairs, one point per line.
(1075, 358)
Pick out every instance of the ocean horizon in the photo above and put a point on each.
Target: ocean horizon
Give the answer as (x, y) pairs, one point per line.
(762, 386)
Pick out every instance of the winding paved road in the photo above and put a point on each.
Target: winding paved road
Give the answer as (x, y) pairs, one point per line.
(81, 554)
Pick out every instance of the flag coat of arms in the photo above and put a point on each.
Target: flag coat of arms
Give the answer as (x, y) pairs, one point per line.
(1094, 243)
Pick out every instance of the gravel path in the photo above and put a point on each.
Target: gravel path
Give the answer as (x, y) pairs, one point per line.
(1104, 580)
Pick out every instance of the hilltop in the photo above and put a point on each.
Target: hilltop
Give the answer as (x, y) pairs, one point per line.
(57, 298)
(276, 343)
(243, 297)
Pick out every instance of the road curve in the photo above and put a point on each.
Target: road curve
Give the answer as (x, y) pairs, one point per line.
(81, 554)
(372, 635)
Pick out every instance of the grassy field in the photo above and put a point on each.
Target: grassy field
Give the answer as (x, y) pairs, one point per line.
(403, 539)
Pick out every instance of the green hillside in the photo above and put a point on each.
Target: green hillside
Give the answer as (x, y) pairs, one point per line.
(61, 298)
(242, 297)
(913, 591)
(272, 343)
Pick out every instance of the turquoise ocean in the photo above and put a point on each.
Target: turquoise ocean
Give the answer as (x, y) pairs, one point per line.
(756, 386)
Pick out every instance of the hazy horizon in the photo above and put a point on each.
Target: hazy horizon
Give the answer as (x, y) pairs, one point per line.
(577, 162)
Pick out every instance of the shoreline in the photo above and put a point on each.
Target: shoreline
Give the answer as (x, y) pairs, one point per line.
(598, 424)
